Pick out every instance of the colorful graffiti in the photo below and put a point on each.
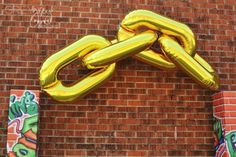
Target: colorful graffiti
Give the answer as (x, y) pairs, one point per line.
(225, 143)
(230, 139)
(22, 123)
(219, 143)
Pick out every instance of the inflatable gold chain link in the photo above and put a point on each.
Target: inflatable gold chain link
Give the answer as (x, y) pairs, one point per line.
(137, 33)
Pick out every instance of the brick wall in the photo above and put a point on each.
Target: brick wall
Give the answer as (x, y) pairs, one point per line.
(142, 110)
(224, 107)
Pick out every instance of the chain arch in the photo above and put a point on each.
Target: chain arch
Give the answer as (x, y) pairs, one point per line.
(137, 33)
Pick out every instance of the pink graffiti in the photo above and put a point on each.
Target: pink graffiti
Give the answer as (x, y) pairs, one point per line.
(17, 122)
(222, 151)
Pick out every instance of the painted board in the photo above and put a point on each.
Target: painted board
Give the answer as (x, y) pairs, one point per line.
(23, 118)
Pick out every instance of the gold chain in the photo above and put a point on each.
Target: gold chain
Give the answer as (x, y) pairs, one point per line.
(137, 33)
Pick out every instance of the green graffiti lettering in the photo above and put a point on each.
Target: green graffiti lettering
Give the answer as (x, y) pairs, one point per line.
(217, 126)
(30, 123)
(26, 105)
(231, 143)
(23, 151)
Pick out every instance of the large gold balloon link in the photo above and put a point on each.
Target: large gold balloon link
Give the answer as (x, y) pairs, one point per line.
(89, 47)
(179, 52)
(51, 67)
(136, 35)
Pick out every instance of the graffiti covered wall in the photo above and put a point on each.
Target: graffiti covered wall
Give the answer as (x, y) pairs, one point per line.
(224, 124)
(23, 123)
(225, 143)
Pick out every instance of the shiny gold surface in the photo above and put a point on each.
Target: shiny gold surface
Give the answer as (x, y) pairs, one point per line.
(50, 68)
(188, 64)
(84, 86)
(147, 56)
(138, 31)
(156, 59)
(120, 50)
(139, 20)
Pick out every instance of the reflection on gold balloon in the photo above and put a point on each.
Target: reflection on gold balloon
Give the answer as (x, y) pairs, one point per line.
(51, 67)
(120, 50)
(187, 63)
(174, 36)
(82, 87)
(148, 56)
(137, 33)
(138, 20)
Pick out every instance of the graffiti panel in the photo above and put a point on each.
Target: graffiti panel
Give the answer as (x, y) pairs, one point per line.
(23, 123)
(225, 142)
(230, 139)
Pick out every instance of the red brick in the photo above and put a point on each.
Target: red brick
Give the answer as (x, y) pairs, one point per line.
(229, 108)
(137, 153)
(12, 137)
(13, 1)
